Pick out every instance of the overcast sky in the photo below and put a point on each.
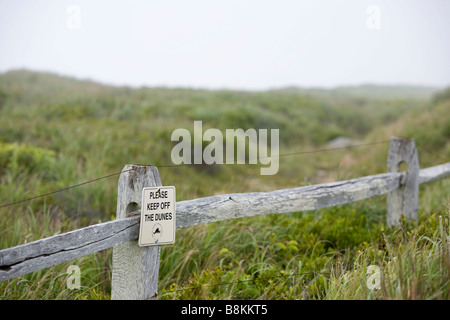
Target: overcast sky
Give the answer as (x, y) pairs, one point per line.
(231, 44)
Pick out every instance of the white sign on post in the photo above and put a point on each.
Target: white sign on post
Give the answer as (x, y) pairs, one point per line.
(157, 216)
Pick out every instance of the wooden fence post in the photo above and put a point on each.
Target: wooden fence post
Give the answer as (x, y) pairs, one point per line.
(135, 269)
(405, 199)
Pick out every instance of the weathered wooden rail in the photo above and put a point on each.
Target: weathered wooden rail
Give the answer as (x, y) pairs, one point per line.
(135, 269)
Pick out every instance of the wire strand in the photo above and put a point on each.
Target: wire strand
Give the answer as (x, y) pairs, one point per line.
(63, 189)
(178, 165)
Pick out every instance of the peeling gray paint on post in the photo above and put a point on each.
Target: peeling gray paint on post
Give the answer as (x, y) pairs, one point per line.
(405, 199)
(135, 269)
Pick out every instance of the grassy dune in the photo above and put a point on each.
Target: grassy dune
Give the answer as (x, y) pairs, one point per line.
(57, 131)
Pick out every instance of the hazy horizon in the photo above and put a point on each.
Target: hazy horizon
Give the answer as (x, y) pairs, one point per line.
(233, 45)
(287, 87)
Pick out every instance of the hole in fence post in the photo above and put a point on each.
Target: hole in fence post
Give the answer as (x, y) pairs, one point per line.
(402, 157)
(402, 167)
(132, 206)
(135, 269)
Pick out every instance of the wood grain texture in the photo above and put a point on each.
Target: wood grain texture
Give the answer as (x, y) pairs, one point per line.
(435, 173)
(405, 199)
(33, 256)
(135, 269)
(232, 206)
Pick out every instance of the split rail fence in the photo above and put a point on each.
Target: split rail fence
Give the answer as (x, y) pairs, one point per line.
(135, 269)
